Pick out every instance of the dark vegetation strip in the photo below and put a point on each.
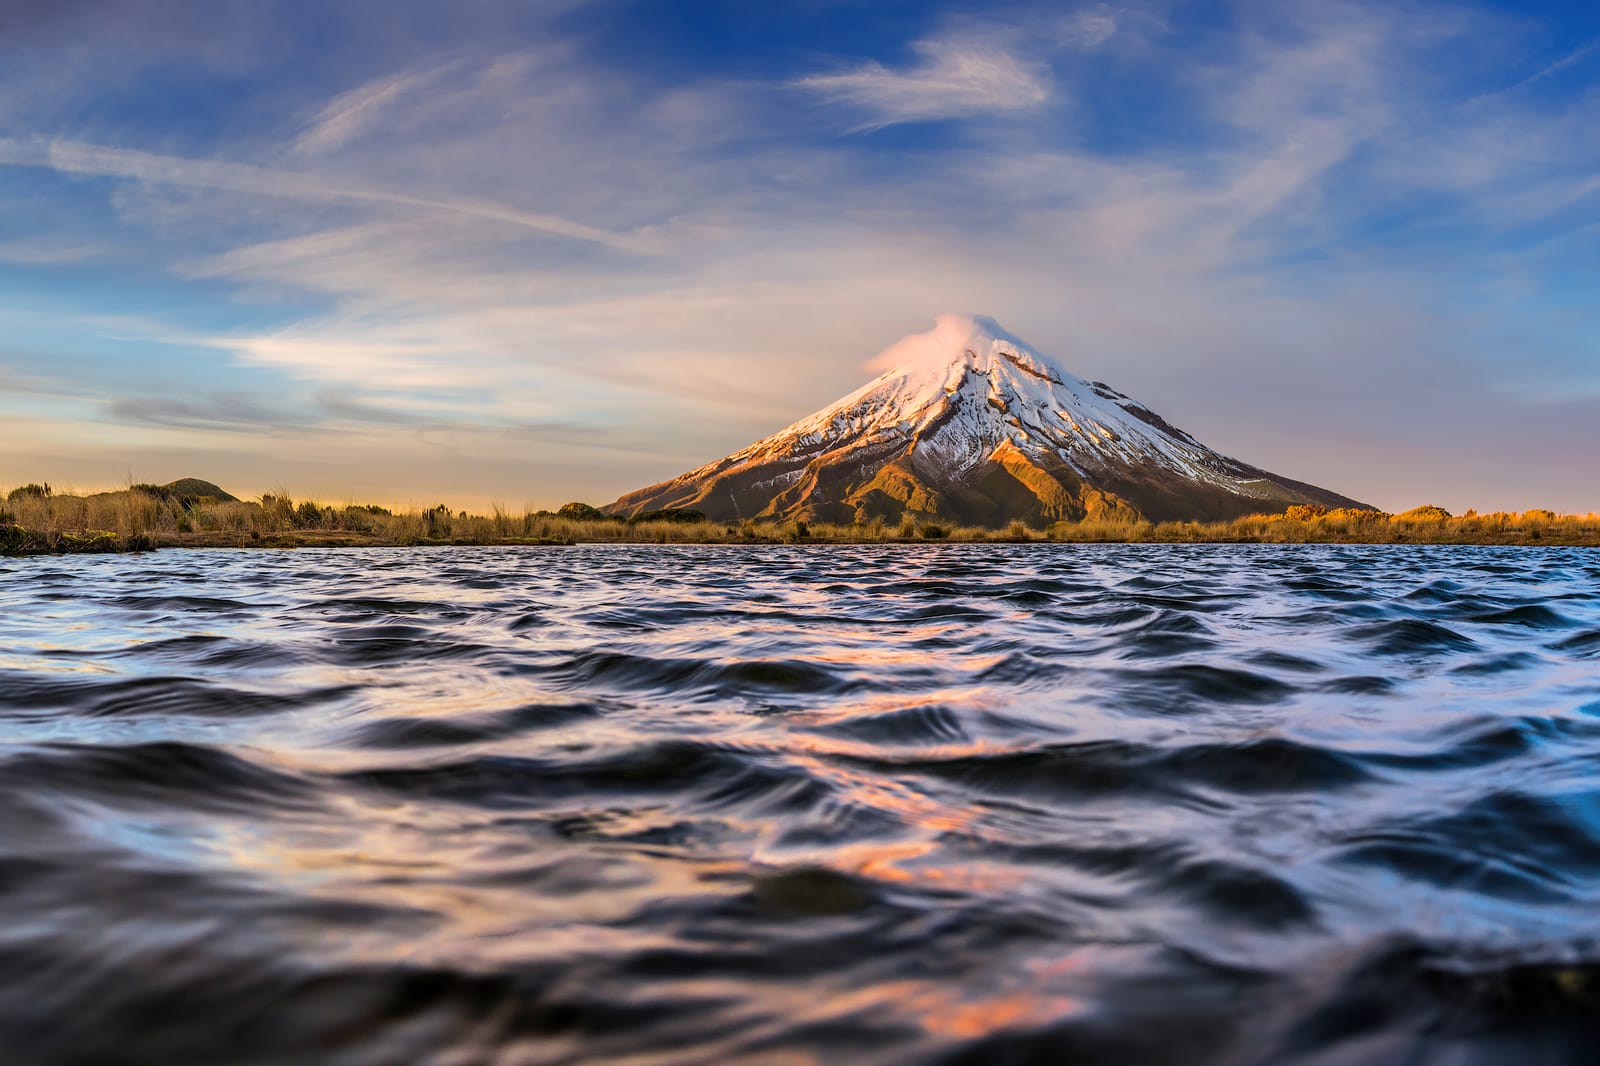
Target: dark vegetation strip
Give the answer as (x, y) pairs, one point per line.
(34, 520)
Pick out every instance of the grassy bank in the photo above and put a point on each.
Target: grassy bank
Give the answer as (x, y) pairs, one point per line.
(35, 520)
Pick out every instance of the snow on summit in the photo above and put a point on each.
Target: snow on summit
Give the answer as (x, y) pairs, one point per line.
(968, 423)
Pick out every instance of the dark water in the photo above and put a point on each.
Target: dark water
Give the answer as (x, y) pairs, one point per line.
(683, 805)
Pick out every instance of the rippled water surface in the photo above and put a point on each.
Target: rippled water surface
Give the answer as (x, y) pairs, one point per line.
(1034, 803)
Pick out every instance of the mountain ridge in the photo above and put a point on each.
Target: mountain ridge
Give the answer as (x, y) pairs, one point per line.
(971, 424)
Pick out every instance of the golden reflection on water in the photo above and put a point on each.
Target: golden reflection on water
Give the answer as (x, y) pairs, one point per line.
(478, 904)
(942, 1009)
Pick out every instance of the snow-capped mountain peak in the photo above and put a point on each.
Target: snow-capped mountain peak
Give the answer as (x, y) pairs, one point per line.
(969, 422)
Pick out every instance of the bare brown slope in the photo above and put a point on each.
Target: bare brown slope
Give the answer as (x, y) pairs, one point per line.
(886, 483)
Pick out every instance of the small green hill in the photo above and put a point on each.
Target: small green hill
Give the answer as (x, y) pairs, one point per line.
(188, 490)
(193, 486)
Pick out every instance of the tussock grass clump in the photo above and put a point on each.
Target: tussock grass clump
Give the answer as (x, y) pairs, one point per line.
(34, 518)
(24, 492)
(15, 540)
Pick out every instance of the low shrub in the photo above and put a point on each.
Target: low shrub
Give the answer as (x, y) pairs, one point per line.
(581, 512)
(1426, 513)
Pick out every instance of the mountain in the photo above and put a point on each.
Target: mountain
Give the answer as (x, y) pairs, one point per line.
(971, 425)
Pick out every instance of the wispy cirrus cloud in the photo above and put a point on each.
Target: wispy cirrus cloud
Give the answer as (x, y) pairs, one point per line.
(225, 412)
(51, 251)
(1577, 55)
(972, 68)
(1091, 27)
(352, 114)
(401, 105)
(76, 157)
(951, 78)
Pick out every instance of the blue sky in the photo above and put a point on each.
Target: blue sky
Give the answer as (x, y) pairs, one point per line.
(530, 252)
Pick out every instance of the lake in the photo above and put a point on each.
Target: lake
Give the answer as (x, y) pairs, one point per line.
(935, 803)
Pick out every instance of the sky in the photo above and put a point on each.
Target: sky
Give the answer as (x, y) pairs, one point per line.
(523, 253)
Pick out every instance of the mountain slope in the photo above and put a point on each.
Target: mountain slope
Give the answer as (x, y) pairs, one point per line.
(973, 426)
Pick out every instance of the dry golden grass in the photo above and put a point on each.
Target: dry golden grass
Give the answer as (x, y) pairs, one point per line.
(33, 521)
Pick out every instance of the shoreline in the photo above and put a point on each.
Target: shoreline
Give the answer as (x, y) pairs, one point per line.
(16, 542)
